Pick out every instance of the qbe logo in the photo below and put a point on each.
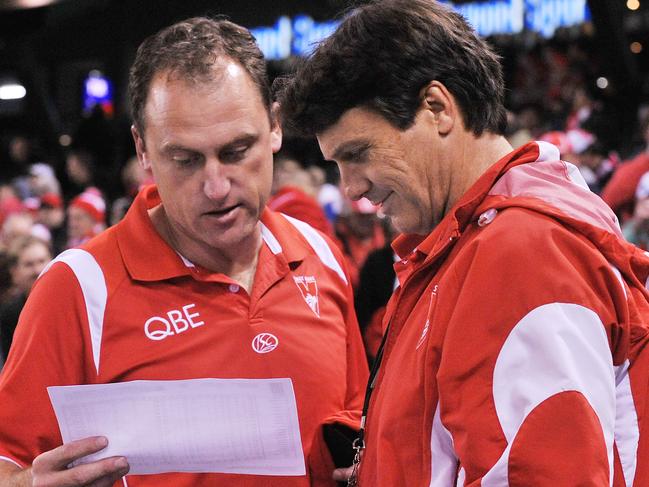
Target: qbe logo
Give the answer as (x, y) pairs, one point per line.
(175, 322)
(264, 343)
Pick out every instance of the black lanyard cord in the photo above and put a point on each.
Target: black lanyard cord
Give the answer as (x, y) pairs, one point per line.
(371, 382)
(359, 442)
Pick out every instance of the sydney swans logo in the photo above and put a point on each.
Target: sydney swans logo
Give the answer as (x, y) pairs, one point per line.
(309, 289)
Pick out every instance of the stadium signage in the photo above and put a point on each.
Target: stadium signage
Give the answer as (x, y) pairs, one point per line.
(513, 16)
(297, 36)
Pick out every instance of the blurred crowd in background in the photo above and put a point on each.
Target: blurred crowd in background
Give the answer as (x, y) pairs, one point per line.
(54, 200)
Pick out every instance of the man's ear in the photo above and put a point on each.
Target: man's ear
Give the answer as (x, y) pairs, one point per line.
(275, 128)
(441, 106)
(140, 149)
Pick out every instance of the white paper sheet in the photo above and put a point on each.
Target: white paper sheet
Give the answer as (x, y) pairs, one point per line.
(246, 426)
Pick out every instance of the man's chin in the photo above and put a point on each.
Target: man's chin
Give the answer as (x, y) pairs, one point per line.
(400, 225)
(232, 236)
(408, 227)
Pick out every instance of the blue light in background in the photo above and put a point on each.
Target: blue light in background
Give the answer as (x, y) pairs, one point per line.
(307, 33)
(97, 90)
(299, 36)
(546, 16)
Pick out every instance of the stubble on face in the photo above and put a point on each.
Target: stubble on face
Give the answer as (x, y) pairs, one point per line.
(220, 160)
(397, 169)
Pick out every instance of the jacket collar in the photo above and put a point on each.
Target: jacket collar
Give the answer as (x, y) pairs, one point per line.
(456, 220)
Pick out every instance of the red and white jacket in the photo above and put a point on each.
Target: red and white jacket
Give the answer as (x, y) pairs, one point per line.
(517, 349)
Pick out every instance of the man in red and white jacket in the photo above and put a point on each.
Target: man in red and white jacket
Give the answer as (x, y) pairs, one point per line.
(517, 344)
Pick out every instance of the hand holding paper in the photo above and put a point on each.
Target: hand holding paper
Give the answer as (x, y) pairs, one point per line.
(246, 426)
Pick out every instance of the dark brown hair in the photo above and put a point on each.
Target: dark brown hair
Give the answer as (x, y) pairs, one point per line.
(381, 56)
(189, 50)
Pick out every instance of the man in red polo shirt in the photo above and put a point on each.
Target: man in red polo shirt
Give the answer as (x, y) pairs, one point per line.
(199, 280)
(517, 343)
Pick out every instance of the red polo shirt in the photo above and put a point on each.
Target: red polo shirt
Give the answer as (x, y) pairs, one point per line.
(126, 306)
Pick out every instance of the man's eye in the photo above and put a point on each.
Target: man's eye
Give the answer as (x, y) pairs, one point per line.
(185, 160)
(356, 156)
(234, 155)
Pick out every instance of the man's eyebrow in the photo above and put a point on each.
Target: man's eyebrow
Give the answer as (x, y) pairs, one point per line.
(241, 140)
(248, 138)
(350, 150)
(169, 148)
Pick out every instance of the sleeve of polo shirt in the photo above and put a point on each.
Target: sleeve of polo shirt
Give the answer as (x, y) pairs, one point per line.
(48, 349)
(357, 370)
(320, 460)
(527, 383)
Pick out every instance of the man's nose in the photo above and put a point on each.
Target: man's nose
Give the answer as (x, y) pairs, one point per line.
(217, 183)
(354, 183)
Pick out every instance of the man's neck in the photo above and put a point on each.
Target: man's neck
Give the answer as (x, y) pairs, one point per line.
(240, 264)
(477, 155)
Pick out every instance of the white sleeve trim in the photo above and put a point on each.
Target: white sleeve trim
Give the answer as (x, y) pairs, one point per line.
(627, 432)
(442, 453)
(318, 244)
(93, 287)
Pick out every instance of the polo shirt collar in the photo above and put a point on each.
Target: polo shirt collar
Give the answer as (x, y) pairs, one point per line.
(280, 237)
(147, 257)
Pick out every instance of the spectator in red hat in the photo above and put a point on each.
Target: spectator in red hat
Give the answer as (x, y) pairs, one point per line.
(86, 217)
(51, 200)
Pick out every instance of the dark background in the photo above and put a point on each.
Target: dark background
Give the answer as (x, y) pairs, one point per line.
(51, 49)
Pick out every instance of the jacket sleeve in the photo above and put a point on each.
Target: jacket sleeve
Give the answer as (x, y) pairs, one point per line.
(527, 386)
(48, 349)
